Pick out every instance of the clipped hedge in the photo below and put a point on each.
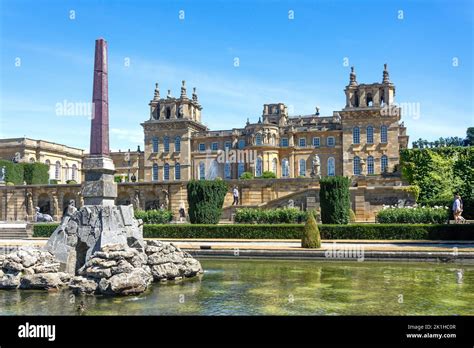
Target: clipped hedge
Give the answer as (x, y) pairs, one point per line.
(335, 200)
(36, 173)
(44, 230)
(205, 199)
(295, 231)
(154, 216)
(13, 172)
(419, 215)
(270, 216)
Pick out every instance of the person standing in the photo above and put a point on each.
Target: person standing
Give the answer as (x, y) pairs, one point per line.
(457, 210)
(235, 193)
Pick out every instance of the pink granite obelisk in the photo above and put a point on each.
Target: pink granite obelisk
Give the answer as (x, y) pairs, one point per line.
(99, 186)
(99, 142)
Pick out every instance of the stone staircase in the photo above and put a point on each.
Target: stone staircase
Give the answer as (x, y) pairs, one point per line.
(15, 231)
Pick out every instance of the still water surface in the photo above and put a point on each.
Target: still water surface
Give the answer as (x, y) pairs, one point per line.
(269, 287)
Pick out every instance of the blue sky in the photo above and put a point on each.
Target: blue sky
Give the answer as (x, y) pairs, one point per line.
(47, 58)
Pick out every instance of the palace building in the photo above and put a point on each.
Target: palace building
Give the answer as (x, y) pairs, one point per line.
(364, 138)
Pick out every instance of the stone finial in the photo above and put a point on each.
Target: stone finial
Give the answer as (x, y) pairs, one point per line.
(195, 97)
(317, 110)
(248, 121)
(352, 77)
(183, 89)
(169, 94)
(386, 78)
(157, 92)
(259, 120)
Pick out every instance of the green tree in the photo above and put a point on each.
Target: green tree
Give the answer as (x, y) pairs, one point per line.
(334, 197)
(13, 172)
(470, 136)
(311, 236)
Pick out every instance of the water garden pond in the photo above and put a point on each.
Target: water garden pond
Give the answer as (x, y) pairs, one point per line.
(273, 287)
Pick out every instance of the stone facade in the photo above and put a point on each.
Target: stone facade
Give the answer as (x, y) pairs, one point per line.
(369, 194)
(65, 162)
(364, 138)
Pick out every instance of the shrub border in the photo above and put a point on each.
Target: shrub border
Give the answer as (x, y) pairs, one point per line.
(295, 231)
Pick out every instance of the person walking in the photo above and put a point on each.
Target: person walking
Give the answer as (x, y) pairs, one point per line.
(457, 208)
(235, 193)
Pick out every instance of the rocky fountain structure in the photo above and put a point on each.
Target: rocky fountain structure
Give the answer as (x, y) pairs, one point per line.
(98, 248)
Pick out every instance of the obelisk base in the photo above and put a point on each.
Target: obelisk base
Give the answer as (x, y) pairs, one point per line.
(99, 186)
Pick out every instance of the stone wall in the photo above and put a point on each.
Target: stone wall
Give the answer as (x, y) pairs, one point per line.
(368, 194)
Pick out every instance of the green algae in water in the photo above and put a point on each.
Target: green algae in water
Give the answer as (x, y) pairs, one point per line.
(274, 287)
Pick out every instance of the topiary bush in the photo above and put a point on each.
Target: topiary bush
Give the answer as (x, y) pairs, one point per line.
(205, 199)
(154, 216)
(246, 176)
(71, 182)
(311, 237)
(335, 200)
(35, 173)
(418, 215)
(268, 175)
(270, 216)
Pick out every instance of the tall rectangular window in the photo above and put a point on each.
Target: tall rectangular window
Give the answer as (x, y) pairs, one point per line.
(177, 171)
(370, 135)
(240, 169)
(302, 167)
(202, 147)
(284, 142)
(228, 145)
(214, 146)
(384, 163)
(356, 135)
(316, 142)
(302, 142)
(154, 141)
(166, 144)
(241, 144)
(383, 134)
(330, 141)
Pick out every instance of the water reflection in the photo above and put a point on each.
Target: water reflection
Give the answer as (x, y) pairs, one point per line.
(271, 287)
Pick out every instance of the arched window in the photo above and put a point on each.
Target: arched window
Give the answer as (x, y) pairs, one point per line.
(302, 167)
(66, 172)
(57, 171)
(177, 144)
(258, 139)
(166, 172)
(240, 169)
(241, 144)
(274, 165)
(356, 135)
(370, 165)
(259, 167)
(155, 172)
(166, 144)
(370, 135)
(331, 166)
(74, 172)
(227, 171)
(383, 134)
(285, 168)
(154, 141)
(202, 170)
(384, 163)
(356, 165)
(177, 171)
